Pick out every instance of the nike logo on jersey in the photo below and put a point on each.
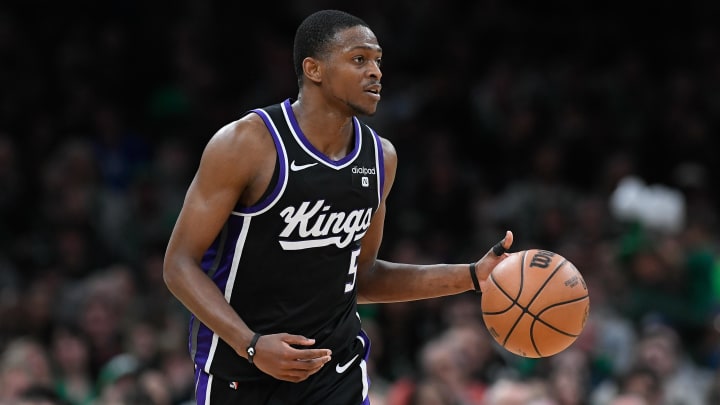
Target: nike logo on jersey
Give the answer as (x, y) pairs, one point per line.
(296, 167)
(341, 369)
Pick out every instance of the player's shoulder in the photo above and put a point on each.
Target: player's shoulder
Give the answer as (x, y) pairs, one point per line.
(389, 162)
(388, 148)
(248, 128)
(247, 134)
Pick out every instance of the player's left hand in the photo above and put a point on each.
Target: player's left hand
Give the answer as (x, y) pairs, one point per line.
(278, 356)
(495, 255)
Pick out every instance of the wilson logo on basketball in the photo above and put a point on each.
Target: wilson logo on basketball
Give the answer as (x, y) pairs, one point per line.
(541, 259)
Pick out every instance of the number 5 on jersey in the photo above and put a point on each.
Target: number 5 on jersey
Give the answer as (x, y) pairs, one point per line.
(352, 273)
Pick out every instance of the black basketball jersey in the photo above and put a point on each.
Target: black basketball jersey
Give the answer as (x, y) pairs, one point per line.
(288, 263)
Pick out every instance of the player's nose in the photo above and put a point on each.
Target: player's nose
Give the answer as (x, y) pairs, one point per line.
(374, 70)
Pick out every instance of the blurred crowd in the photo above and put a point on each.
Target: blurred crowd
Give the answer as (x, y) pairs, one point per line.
(506, 115)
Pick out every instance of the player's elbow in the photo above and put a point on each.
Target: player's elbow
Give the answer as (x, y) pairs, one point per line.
(366, 283)
(170, 272)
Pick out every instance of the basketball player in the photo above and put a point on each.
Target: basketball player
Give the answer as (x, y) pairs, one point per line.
(277, 239)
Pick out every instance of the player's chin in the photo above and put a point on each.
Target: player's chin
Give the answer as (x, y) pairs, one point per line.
(366, 108)
(370, 113)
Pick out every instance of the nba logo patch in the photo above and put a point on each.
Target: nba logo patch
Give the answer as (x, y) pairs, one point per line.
(365, 181)
(234, 385)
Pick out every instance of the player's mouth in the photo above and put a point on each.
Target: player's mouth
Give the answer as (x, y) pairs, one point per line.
(374, 90)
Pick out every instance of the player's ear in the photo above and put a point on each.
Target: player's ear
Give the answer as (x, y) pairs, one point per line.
(312, 69)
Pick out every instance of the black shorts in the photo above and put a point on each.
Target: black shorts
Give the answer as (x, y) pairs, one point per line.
(342, 381)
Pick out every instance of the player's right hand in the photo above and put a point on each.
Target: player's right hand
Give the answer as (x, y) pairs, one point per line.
(484, 267)
(276, 356)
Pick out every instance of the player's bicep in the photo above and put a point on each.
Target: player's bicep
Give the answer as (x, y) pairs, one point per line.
(203, 214)
(219, 182)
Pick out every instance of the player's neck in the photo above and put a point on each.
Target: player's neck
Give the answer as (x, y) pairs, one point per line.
(329, 130)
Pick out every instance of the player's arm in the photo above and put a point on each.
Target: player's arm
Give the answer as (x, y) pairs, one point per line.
(218, 183)
(383, 281)
(227, 170)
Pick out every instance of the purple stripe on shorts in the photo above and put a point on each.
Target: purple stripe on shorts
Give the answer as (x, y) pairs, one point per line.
(366, 340)
(201, 385)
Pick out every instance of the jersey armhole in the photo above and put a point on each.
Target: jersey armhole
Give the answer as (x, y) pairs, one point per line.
(273, 182)
(380, 159)
(279, 177)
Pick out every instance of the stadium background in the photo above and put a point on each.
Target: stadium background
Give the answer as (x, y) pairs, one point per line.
(505, 114)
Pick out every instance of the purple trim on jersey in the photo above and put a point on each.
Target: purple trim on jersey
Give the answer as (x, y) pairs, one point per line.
(283, 169)
(220, 274)
(350, 156)
(204, 342)
(366, 339)
(200, 335)
(209, 257)
(380, 162)
(201, 385)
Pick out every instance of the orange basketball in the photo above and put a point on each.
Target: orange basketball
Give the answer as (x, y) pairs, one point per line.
(536, 303)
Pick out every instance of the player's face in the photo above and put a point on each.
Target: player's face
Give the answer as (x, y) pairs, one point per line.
(352, 70)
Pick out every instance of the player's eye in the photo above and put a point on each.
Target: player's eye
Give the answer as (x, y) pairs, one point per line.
(378, 61)
(359, 59)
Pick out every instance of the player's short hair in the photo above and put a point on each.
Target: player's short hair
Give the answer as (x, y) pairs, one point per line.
(316, 32)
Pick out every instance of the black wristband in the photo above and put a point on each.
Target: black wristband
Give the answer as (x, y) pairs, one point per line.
(251, 348)
(473, 276)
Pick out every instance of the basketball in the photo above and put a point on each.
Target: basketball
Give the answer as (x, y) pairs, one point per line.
(535, 304)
